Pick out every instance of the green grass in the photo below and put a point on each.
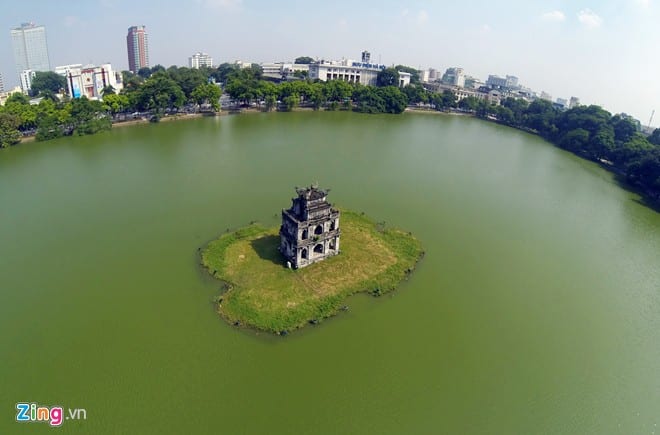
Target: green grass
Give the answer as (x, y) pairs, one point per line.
(263, 294)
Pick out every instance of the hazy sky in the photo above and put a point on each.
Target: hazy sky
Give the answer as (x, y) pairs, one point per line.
(604, 52)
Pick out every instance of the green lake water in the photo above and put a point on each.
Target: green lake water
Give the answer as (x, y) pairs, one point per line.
(535, 310)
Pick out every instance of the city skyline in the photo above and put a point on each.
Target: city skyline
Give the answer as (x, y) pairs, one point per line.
(597, 51)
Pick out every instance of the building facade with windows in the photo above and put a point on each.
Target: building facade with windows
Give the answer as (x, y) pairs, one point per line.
(89, 80)
(310, 228)
(200, 60)
(137, 45)
(352, 72)
(26, 77)
(30, 48)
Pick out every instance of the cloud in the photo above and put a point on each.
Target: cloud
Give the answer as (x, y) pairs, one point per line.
(342, 24)
(486, 28)
(554, 16)
(643, 3)
(422, 17)
(405, 12)
(589, 19)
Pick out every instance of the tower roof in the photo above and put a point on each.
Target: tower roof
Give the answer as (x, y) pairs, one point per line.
(312, 192)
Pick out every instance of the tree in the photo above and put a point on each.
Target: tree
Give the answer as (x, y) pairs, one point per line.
(159, 93)
(368, 100)
(291, 101)
(108, 90)
(574, 140)
(49, 128)
(445, 100)
(9, 134)
(645, 170)
(47, 81)
(387, 77)
(187, 78)
(88, 117)
(394, 100)
(18, 105)
(304, 60)
(224, 72)
(144, 72)
(625, 127)
(116, 103)
(542, 116)
(655, 137)
(131, 81)
(469, 103)
(207, 93)
(337, 90)
(316, 95)
(416, 93)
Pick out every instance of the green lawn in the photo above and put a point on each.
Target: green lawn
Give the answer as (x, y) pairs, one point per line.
(262, 293)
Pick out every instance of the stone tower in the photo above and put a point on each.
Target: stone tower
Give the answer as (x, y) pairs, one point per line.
(310, 228)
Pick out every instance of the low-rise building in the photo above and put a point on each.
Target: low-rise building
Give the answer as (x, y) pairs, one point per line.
(5, 95)
(90, 80)
(351, 71)
(282, 70)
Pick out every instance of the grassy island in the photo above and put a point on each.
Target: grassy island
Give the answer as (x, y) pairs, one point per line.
(262, 293)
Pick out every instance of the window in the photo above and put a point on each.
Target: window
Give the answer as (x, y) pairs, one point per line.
(318, 249)
(318, 229)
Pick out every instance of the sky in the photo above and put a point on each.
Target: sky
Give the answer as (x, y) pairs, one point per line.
(602, 51)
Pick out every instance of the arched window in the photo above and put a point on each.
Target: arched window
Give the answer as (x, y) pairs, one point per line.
(303, 253)
(332, 225)
(332, 245)
(305, 234)
(318, 229)
(318, 249)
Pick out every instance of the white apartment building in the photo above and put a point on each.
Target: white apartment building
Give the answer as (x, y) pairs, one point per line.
(199, 60)
(26, 77)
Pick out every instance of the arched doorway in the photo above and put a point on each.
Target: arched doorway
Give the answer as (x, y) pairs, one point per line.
(303, 253)
(305, 234)
(318, 249)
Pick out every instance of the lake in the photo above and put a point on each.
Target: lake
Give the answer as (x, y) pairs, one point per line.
(535, 310)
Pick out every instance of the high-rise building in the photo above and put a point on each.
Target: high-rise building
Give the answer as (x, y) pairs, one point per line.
(2, 84)
(30, 48)
(199, 60)
(137, 43)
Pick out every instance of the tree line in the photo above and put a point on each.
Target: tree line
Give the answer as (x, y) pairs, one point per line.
(588, 131)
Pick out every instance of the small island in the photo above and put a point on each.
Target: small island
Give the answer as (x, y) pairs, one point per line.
(281, 279)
